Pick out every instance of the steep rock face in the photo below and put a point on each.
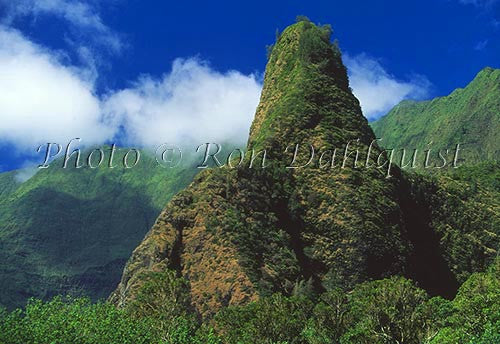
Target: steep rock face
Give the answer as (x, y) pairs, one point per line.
(237, 234)
(468, 116)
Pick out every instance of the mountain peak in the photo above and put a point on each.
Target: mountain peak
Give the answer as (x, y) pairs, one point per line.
(306, 91)
(239, 234)
(305, 44)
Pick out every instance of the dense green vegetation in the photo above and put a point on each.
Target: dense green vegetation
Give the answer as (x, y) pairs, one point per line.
(456, 202)
(72, 230)
(454, 226)
(392, 310)
(386, 311)
(469, 117)
(485, 174)
(7, 183)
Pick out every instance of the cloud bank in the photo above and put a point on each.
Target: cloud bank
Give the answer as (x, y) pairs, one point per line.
(192, 103)
(43, 100)
(377, 90)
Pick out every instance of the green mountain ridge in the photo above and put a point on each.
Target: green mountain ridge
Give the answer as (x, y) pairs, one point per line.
(72, 230)
(469, 116)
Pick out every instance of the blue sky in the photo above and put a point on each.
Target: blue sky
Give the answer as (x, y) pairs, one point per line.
(146, 72)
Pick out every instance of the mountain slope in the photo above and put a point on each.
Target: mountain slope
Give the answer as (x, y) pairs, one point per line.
(459, 205)
(71, 230)
(469, 117)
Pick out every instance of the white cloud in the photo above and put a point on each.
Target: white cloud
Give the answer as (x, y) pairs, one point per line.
(83, 16)
(192, 103)
(42, 100)
(377, 90)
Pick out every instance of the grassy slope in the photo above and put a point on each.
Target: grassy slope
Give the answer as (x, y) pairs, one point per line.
(72, 230)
